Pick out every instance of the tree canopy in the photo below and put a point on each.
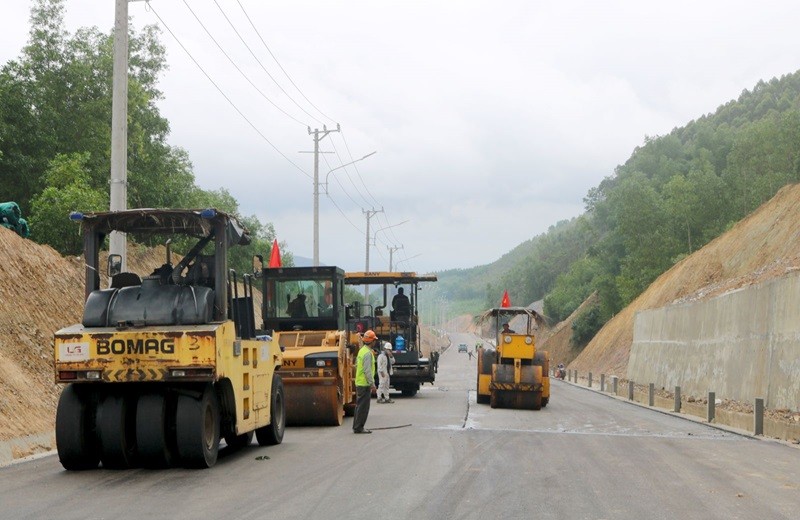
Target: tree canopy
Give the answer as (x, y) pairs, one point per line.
(55, 132)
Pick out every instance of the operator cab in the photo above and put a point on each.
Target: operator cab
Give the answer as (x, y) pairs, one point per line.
(303, 298)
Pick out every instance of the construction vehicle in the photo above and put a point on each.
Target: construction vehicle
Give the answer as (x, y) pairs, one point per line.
(304, 312)
(514, 374)
(401, 327)
(164, 365)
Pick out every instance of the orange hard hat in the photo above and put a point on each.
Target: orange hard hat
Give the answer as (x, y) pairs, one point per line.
(370, 336)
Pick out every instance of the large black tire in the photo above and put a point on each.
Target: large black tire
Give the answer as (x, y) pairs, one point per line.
(545, 400)
(536, 401)
(409, 391)
(76, 440)
(197, 429)
(153, 418)
(272, 433)
(116, 429)
(237, 442)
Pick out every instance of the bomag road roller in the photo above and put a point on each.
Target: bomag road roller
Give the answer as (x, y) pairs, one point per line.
(304, 313)
(400, 327)
(513, 374)
(167, 361)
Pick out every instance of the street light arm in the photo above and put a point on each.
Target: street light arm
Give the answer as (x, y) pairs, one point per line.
(375, 235)
(342, 166)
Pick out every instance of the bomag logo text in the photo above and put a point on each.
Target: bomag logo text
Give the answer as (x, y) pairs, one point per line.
(135, 346)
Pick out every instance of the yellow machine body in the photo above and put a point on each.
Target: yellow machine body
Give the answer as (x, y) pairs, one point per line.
(514, 374)
(173, 354)
(317, 374)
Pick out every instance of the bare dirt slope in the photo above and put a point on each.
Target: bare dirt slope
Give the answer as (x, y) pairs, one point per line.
(41, 292)
(763, 246)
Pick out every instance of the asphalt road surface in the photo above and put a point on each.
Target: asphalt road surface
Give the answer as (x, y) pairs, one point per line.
(584, 456)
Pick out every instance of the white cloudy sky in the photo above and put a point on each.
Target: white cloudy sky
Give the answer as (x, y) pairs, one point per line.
(491, 119)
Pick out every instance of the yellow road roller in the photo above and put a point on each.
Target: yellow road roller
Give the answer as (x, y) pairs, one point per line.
(513, 374)
(304, 313)
(167, 361)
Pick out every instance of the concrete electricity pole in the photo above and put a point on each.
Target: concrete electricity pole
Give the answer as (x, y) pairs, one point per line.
(119, 127)
(369, 213)
(318, 136)
(392, 249)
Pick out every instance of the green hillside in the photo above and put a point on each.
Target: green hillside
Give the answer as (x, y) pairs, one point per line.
(672, 196)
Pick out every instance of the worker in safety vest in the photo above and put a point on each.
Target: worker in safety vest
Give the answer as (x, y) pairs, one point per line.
(365, 381)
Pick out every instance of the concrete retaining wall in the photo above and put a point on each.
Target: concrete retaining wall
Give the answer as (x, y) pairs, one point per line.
(741, 345)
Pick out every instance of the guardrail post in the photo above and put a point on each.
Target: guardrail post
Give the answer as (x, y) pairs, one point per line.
(614, 382)
(590, 379)
(712, 401)
(677, 407)
(602, 382)
(758, 416)
(651, 394)
(630, 390)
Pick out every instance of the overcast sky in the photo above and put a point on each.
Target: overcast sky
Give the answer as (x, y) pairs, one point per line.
(491, 119)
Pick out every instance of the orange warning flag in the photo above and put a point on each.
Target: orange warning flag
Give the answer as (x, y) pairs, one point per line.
(506, 302)
(275, 256)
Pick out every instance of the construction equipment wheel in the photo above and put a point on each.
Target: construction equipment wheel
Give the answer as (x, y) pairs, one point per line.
(409, 390)
(494, 399)
(75, 435)
(272, 433)
(237, 442)
(485, 360)
(153, 427)
(116, 429)
(536, 403)
(545, 400)
(197, 429)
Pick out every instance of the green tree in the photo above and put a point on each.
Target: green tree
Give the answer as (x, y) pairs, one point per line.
(67, 190)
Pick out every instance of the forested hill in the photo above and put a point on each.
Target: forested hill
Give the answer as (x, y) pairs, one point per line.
(672, 196)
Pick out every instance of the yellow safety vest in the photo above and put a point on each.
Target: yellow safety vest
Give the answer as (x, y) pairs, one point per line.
(361, 379)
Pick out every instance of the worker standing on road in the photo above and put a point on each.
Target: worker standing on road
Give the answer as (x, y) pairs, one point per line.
(365, 382)
(384, 372)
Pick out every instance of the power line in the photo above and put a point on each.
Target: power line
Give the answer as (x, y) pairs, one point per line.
(261, 64)
(287, 114)
(225, 95)
(279, 64)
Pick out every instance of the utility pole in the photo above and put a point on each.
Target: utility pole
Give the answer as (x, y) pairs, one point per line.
(369, 213)
(119, 128)
(318, 136)
(392, 249)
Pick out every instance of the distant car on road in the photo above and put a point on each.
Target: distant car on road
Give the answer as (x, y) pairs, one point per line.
(462, 347)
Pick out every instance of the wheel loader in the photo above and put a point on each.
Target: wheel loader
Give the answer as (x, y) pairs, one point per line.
(305, 314)
(396, 324)
(513, 374)
(165, 362)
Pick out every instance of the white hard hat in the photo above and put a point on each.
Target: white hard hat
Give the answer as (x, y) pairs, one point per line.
(387, 346)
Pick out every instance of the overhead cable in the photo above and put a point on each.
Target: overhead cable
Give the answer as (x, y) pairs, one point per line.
(225, 95)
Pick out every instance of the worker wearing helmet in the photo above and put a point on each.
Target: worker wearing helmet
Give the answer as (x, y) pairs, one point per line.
(365, 381)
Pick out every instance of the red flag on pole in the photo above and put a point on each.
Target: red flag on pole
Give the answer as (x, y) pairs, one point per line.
(506, 302)
(275, 256)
